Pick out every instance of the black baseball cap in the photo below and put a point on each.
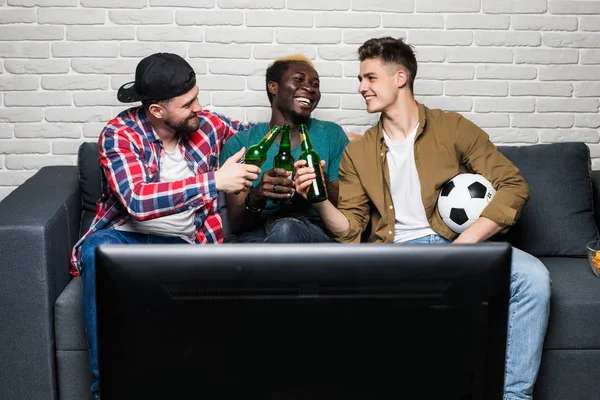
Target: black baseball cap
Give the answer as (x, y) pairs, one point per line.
(159, 76)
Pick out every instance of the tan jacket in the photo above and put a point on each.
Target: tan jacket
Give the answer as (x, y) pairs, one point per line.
(446, 144)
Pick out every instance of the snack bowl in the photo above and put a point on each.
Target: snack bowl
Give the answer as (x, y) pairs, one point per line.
(593, 249)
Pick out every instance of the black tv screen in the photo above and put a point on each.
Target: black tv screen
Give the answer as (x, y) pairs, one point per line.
(318, 321)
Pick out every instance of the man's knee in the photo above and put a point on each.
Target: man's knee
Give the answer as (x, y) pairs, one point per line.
(88, 248)
(286, 230)
(531, 274)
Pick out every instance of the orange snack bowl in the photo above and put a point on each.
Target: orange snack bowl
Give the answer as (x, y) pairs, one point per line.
(593, 249)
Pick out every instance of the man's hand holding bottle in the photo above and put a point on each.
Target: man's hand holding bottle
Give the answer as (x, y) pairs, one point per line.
(272, 186)
(312, 185)
(234, 177)
(304, 177)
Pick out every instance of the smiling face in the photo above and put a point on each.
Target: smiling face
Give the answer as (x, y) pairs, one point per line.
(297, 94)
(182, 112)
(380, 83)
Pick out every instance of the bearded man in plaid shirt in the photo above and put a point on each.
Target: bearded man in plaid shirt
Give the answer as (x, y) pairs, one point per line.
(160, 174)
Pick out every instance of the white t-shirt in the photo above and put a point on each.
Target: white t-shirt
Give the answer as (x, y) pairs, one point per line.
(411, 221)
(173, 168)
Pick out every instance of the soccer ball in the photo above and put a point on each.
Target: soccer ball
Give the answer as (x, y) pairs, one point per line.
(462, 199)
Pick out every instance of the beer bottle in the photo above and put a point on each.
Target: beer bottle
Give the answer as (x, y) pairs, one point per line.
(257, 153)
(284, 158)
(316, 192)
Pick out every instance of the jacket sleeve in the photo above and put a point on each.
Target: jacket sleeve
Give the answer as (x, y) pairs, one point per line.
(353, 202)
(481, 156)
(129, 178)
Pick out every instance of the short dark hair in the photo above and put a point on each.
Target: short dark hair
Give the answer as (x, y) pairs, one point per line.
(147, 102)
(391, 51)
(279, 67)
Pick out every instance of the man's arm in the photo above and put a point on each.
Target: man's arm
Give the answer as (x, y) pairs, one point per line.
(333, 191)
(240, 218)
(353, 202)
(346, 222)
(481, 156)
(128, 177)
(337, 224)
(334, 220)
(482, 229)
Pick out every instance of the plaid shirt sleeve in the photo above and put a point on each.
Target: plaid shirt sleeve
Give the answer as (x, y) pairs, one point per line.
(130, 179)
(227, 127)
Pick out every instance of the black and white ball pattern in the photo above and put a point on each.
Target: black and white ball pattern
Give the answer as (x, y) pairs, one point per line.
(462, 199)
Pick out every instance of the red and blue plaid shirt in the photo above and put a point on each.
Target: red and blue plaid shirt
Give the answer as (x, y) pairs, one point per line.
(131, 188)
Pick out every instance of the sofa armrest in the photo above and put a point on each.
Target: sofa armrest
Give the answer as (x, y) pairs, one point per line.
(39, 224)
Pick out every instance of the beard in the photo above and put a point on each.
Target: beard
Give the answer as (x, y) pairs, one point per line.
(184, 127)
(298, 118)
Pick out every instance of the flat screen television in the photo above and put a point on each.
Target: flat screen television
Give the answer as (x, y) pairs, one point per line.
(305, 321)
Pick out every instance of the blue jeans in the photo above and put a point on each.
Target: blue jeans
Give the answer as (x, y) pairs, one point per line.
(528, 309)
(88, 291)
(287, 230)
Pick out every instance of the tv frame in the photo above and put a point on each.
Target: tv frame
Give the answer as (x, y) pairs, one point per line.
(135, 283)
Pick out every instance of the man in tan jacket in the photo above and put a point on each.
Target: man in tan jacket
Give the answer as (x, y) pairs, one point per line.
(392, 175)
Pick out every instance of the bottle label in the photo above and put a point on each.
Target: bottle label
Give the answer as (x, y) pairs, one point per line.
(322, 174)
(314, 182)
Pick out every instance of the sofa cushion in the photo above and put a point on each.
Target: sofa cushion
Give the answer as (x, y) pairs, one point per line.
(568, 374)
(73, 375)
(69, 331)
(72, 362)
(574, 317)
(89, 175)
(558, 219)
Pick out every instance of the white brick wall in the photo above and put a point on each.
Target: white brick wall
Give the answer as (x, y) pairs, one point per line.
(527, 71)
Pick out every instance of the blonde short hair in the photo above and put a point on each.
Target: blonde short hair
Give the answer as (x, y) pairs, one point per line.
(294, 57)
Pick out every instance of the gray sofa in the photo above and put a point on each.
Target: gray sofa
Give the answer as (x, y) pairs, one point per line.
(42, 343)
